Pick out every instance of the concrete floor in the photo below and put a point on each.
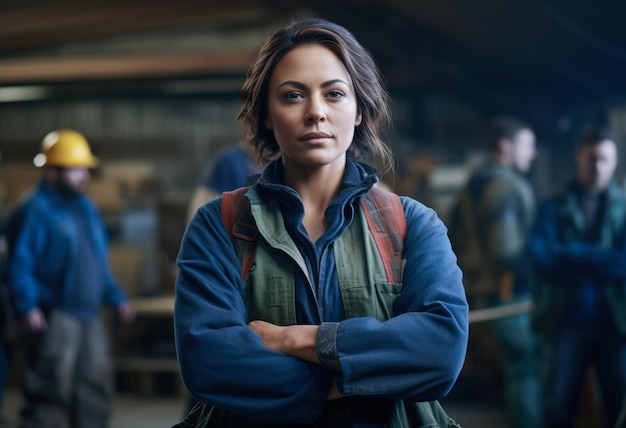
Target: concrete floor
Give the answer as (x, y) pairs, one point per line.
(475, 415)
(132, 411)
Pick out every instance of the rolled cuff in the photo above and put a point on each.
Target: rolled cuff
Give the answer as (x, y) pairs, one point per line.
(326, 347)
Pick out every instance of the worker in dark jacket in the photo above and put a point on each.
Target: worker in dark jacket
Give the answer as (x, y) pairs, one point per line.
(490, 229)
(579, 250)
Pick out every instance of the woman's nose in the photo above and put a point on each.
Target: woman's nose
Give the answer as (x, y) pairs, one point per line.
(315, 111)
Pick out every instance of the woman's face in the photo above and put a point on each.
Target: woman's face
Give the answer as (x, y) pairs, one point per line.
(312, 108)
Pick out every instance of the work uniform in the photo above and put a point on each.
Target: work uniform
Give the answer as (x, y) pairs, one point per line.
(492, 223)
(579, 250)
(415, 355)
(58, 262)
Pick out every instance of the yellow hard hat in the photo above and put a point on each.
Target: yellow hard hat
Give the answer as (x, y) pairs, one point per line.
(65, 148)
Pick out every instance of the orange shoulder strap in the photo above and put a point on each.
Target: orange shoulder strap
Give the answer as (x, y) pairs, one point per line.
(387, 222)
(237, 218)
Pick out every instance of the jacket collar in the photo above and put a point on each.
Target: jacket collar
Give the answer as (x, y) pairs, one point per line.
(357, 178)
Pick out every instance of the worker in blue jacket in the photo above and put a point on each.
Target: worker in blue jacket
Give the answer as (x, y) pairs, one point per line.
(59, 278)
(317, 336)
(579, 251)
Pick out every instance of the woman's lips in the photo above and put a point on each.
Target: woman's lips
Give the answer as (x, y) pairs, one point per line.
(314, 137)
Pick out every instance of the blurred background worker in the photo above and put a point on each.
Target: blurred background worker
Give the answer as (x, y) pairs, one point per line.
(579, 249)
(228, 170)
(59, 278)
(490, 229)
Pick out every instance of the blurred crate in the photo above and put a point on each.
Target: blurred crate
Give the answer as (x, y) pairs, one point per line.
(127, 264)
(16, 181)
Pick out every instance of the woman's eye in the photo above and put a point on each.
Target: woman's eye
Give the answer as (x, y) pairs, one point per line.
(292, 95)
(335, 93)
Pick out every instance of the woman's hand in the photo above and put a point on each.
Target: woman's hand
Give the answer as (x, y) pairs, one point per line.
(295, 340)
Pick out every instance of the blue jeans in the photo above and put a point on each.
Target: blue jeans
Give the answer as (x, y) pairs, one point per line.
(566, 360)
(518, 347)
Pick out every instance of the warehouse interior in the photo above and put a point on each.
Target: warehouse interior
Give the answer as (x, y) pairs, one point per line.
(154, 86)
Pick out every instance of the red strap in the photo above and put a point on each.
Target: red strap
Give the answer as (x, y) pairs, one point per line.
(239, 223)
(228, 210)
(387, 222)
(383, 212)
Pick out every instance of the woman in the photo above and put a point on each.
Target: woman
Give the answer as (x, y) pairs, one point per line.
(314, 102)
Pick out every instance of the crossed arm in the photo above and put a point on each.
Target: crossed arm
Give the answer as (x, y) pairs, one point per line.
(298, 341)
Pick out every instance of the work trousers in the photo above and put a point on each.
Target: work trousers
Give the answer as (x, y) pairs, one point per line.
(518, 348)
(567, 357)
(68, 376)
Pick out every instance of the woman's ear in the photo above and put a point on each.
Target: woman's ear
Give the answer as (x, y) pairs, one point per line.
(268, 124)
(359, 118)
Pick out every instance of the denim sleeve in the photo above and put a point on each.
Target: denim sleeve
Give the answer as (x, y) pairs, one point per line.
(222, 361)
(419, 352)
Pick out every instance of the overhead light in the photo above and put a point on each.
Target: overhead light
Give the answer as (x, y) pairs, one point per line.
(23, 93)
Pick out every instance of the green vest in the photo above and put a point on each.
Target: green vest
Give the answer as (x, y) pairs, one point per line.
(550, 300)
(269, 292)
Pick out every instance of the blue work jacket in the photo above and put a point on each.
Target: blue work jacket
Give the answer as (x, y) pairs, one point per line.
(43, 251)
(416, 355)
(566, 259)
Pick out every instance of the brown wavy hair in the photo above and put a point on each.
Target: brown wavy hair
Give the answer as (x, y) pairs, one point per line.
(371, 95)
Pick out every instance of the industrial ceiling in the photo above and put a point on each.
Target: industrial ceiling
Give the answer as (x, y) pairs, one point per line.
(547, 55)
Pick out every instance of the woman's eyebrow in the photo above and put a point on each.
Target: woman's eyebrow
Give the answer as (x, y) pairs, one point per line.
(301, 85)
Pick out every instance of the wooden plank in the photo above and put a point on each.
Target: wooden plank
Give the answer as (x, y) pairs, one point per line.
(47, 70)
(488, 314)
(162, 306)
(34, 26)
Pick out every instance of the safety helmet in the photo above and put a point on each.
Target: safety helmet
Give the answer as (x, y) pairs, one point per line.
(66, 148)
